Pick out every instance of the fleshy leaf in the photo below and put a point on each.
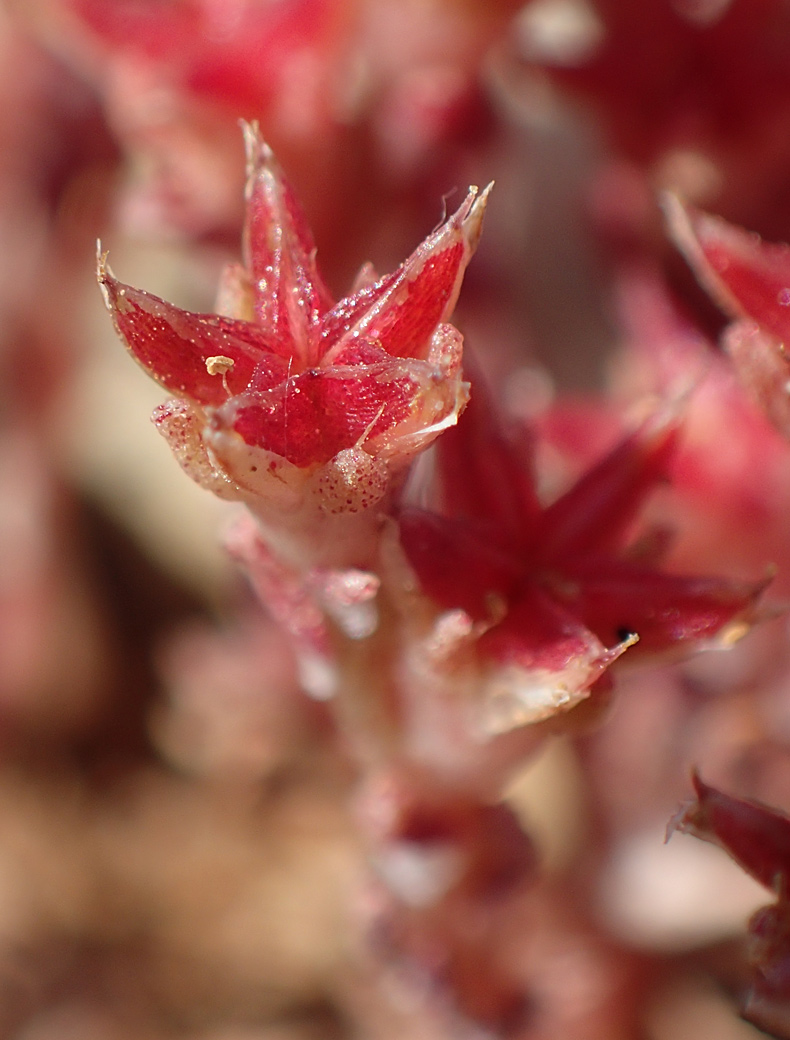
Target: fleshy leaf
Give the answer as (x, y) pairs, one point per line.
(296, 385)
(756, 836)
(310, 417)
(457, 567)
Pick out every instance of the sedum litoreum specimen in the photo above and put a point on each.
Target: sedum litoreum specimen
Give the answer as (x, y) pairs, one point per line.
(443, 634)
(306, 409)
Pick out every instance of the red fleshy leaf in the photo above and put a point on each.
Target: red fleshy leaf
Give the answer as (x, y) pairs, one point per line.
(568, 601)
(485, 479)
(298, 380)
(757, 837)
(539, 633)
(540, 661)
(309, 418)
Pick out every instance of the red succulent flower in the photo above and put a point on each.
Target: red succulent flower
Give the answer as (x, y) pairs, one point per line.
(554, 591)
(292, 403)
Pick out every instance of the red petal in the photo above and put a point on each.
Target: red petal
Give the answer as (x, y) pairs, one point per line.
(402, 310)
(174, 345)
(594, 515)
(290, 296)
(756, 836)
(615, 598)
(456, 566)
(310, 417)
(747, 277)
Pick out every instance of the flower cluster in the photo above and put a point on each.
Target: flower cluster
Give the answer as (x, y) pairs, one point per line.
(442, 631)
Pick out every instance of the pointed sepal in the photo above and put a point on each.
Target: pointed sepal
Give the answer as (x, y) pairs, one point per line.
(747, 277)
(593, 516)
(184, 352)
(756, 836)
(290, 297)
(400, 312)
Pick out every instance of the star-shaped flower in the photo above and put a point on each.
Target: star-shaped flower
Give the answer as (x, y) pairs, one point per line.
(554, 592)
(289, 401)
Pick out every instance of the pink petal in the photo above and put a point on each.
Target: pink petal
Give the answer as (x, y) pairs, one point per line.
(594, 515)
(402, 310)
(174, 345)
(747, 277)
(756, 836)
(290, 296)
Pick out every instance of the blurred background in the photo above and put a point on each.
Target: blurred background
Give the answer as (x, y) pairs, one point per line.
(176, 856)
